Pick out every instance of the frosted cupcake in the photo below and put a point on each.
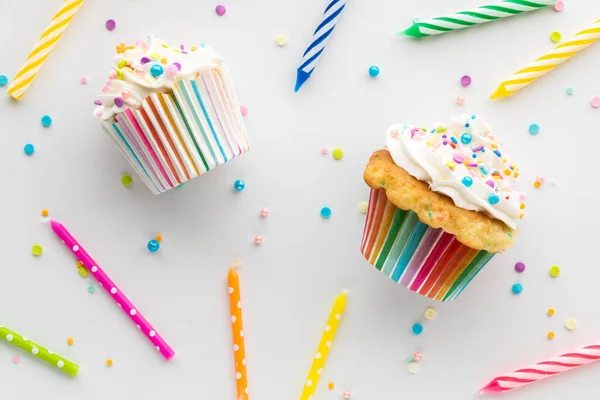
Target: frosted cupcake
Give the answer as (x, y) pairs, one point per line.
(443, 203)
(172, 112)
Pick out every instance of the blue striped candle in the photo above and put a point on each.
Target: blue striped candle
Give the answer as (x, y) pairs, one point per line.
(319, 40)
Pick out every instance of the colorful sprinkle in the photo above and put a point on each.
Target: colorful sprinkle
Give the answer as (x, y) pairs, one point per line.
(493, 199)
(83, 272)
(466, 138)
(559, 6)
(417, 329)
(239, 185)
(520, 266)
(429, 313)
(258, 240)
(78, 264)
(91, 289)
(570, 91)
(418, 356)
(465, 80)
(595, 102)
(331, 386)
(243, 110)
(534, 129)
(16, 359)
(324, 151)
(550, 312)
(281, 39)
(264, 212)
(3, 80)
(363, 207)
(44, 213)
(220, 10)
(460, 100)
(171, 70)
(554, 271)
(83, 80)
(126, 180)
(153, 246)
(338, 153)
(46, 121)
(467, 181)
(70, 341)
(111, 24)
(571, 324)
(109, 362)
(373, 71)
(158, 238)
(325, 212)
(413, 367)
(37, 250)
(156, 70)
(517, 288)
(555, 36)
(118, 102)
(346, 395)
(550, 335)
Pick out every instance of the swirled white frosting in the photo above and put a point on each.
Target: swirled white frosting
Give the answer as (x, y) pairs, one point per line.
(463, 160)
(132, 79)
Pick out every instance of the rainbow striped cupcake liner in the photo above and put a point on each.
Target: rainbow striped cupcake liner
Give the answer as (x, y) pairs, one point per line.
(428, 261)
(176, 136)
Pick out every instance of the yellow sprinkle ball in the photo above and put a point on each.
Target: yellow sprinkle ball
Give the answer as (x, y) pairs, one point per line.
(193, 48)
(44, 213)
(430, 314)
(83, 272)
(522, 206)
(537, 184)
(158, 238)
(550, 335)
(109, 363)
(163, 61)
(70, 341)
(331, 386)
(507, 172)
(550, 312)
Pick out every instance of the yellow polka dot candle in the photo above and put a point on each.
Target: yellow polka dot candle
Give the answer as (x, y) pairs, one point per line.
(237, 328)
(310, 385)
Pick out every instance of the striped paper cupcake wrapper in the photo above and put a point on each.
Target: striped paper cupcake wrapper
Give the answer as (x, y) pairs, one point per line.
(428, 261)
(176, 136)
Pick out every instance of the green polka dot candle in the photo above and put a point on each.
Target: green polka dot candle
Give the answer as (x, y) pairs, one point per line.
(38, 351)
(479, 15)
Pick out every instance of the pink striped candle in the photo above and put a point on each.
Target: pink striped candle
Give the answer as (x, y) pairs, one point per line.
(543, 370)
(112, 289)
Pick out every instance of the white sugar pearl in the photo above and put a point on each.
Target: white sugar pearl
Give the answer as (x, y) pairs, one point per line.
(60, 364)
(132, 312)
(152, 334)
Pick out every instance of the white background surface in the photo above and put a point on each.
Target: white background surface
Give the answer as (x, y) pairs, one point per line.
(290, 282)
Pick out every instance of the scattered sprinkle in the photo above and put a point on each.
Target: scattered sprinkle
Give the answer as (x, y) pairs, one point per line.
(126, 180)
(91, 289)
(111, 24)
(373, 71)
(363, 207)
(243, 110)
(83, 272)
(550, 312)
(554, 271)
(109, 362)
(83, 80)
(493, 199)
(70, 341)
(346, 395)
(595, 102)
(555, 36)
(16, 359)
(417, 329)
(467, 181)
(325, 212)
(156, 70)
(220, 10)
(413, 367)
(570, 91)
(37, 250)
(418, 356)
(331, 386)
(550, 335)
(258, 240)
(46, 121)
(517, 288)
(153, 246)
(44, 213)
(158, 238)
(460, 100)
(281, 39)
(534, 129)
(239, 185)
(465, 80)
(324, 151)
(429, 313)
(571, 324)
(538, 181)
(3, 80)
(338, 153)
(78, 264)
(559, 6)
(264, 212)
(520, 266)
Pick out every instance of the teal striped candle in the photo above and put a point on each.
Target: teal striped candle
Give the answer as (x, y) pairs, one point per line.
(479, 15)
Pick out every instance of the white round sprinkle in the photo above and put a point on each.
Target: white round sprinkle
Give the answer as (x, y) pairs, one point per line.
(230, 290)
(413, 367)
(233, 319)
(318, 356)
(236, 347)
(238, 375)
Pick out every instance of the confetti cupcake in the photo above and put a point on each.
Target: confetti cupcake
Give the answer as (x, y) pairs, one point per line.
(443, 203)
(172, 111)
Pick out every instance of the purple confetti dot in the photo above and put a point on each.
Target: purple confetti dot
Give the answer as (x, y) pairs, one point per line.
(111, 24)
(220, 10)
(490, 183)
(177, 65)
(97, 102)
(520, 267)
(145, 60)
(458, 158)
(118, 102)
(465, 80)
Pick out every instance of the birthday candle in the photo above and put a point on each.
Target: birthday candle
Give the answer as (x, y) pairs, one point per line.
(547, 63)
(479, 15)
(237, 328)
(319, 40)
(326, 340)
(543, 370)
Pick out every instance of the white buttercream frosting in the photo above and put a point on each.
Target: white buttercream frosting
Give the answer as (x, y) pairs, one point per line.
(463, 160)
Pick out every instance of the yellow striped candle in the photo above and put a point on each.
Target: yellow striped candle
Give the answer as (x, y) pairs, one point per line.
(547, 63)
(42, 49)
(326, 340)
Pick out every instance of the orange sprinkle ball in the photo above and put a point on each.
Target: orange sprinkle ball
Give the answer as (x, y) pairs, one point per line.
(78, 264)
(550, 335)
(550, 312)
(70, 341)
(158, 238)
(44, 213)
(331, 386)
(522, 206)
(163, 61)
(109, 362)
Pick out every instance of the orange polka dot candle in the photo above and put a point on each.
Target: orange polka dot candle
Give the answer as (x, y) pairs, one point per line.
(310, 385)
(237, 328)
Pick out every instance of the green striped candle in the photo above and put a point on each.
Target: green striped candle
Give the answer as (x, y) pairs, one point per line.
(479, 15)
(38, 351)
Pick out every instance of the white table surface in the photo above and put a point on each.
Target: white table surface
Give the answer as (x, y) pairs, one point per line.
(290, 282)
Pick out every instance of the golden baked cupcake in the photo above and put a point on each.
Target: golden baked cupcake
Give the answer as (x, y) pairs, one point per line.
(442, 204)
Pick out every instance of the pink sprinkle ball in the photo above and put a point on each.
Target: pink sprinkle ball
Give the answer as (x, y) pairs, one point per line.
(324, 151)
(16, 359)
(264, 212)
(125, 94)
(559, 5)
(83, 80)
(465, 80)
(460, 100)
(220, 10)
(595, 101)
(258, 240)
(172, 69)
(111, 24)
(243, 110)
(346, 394)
